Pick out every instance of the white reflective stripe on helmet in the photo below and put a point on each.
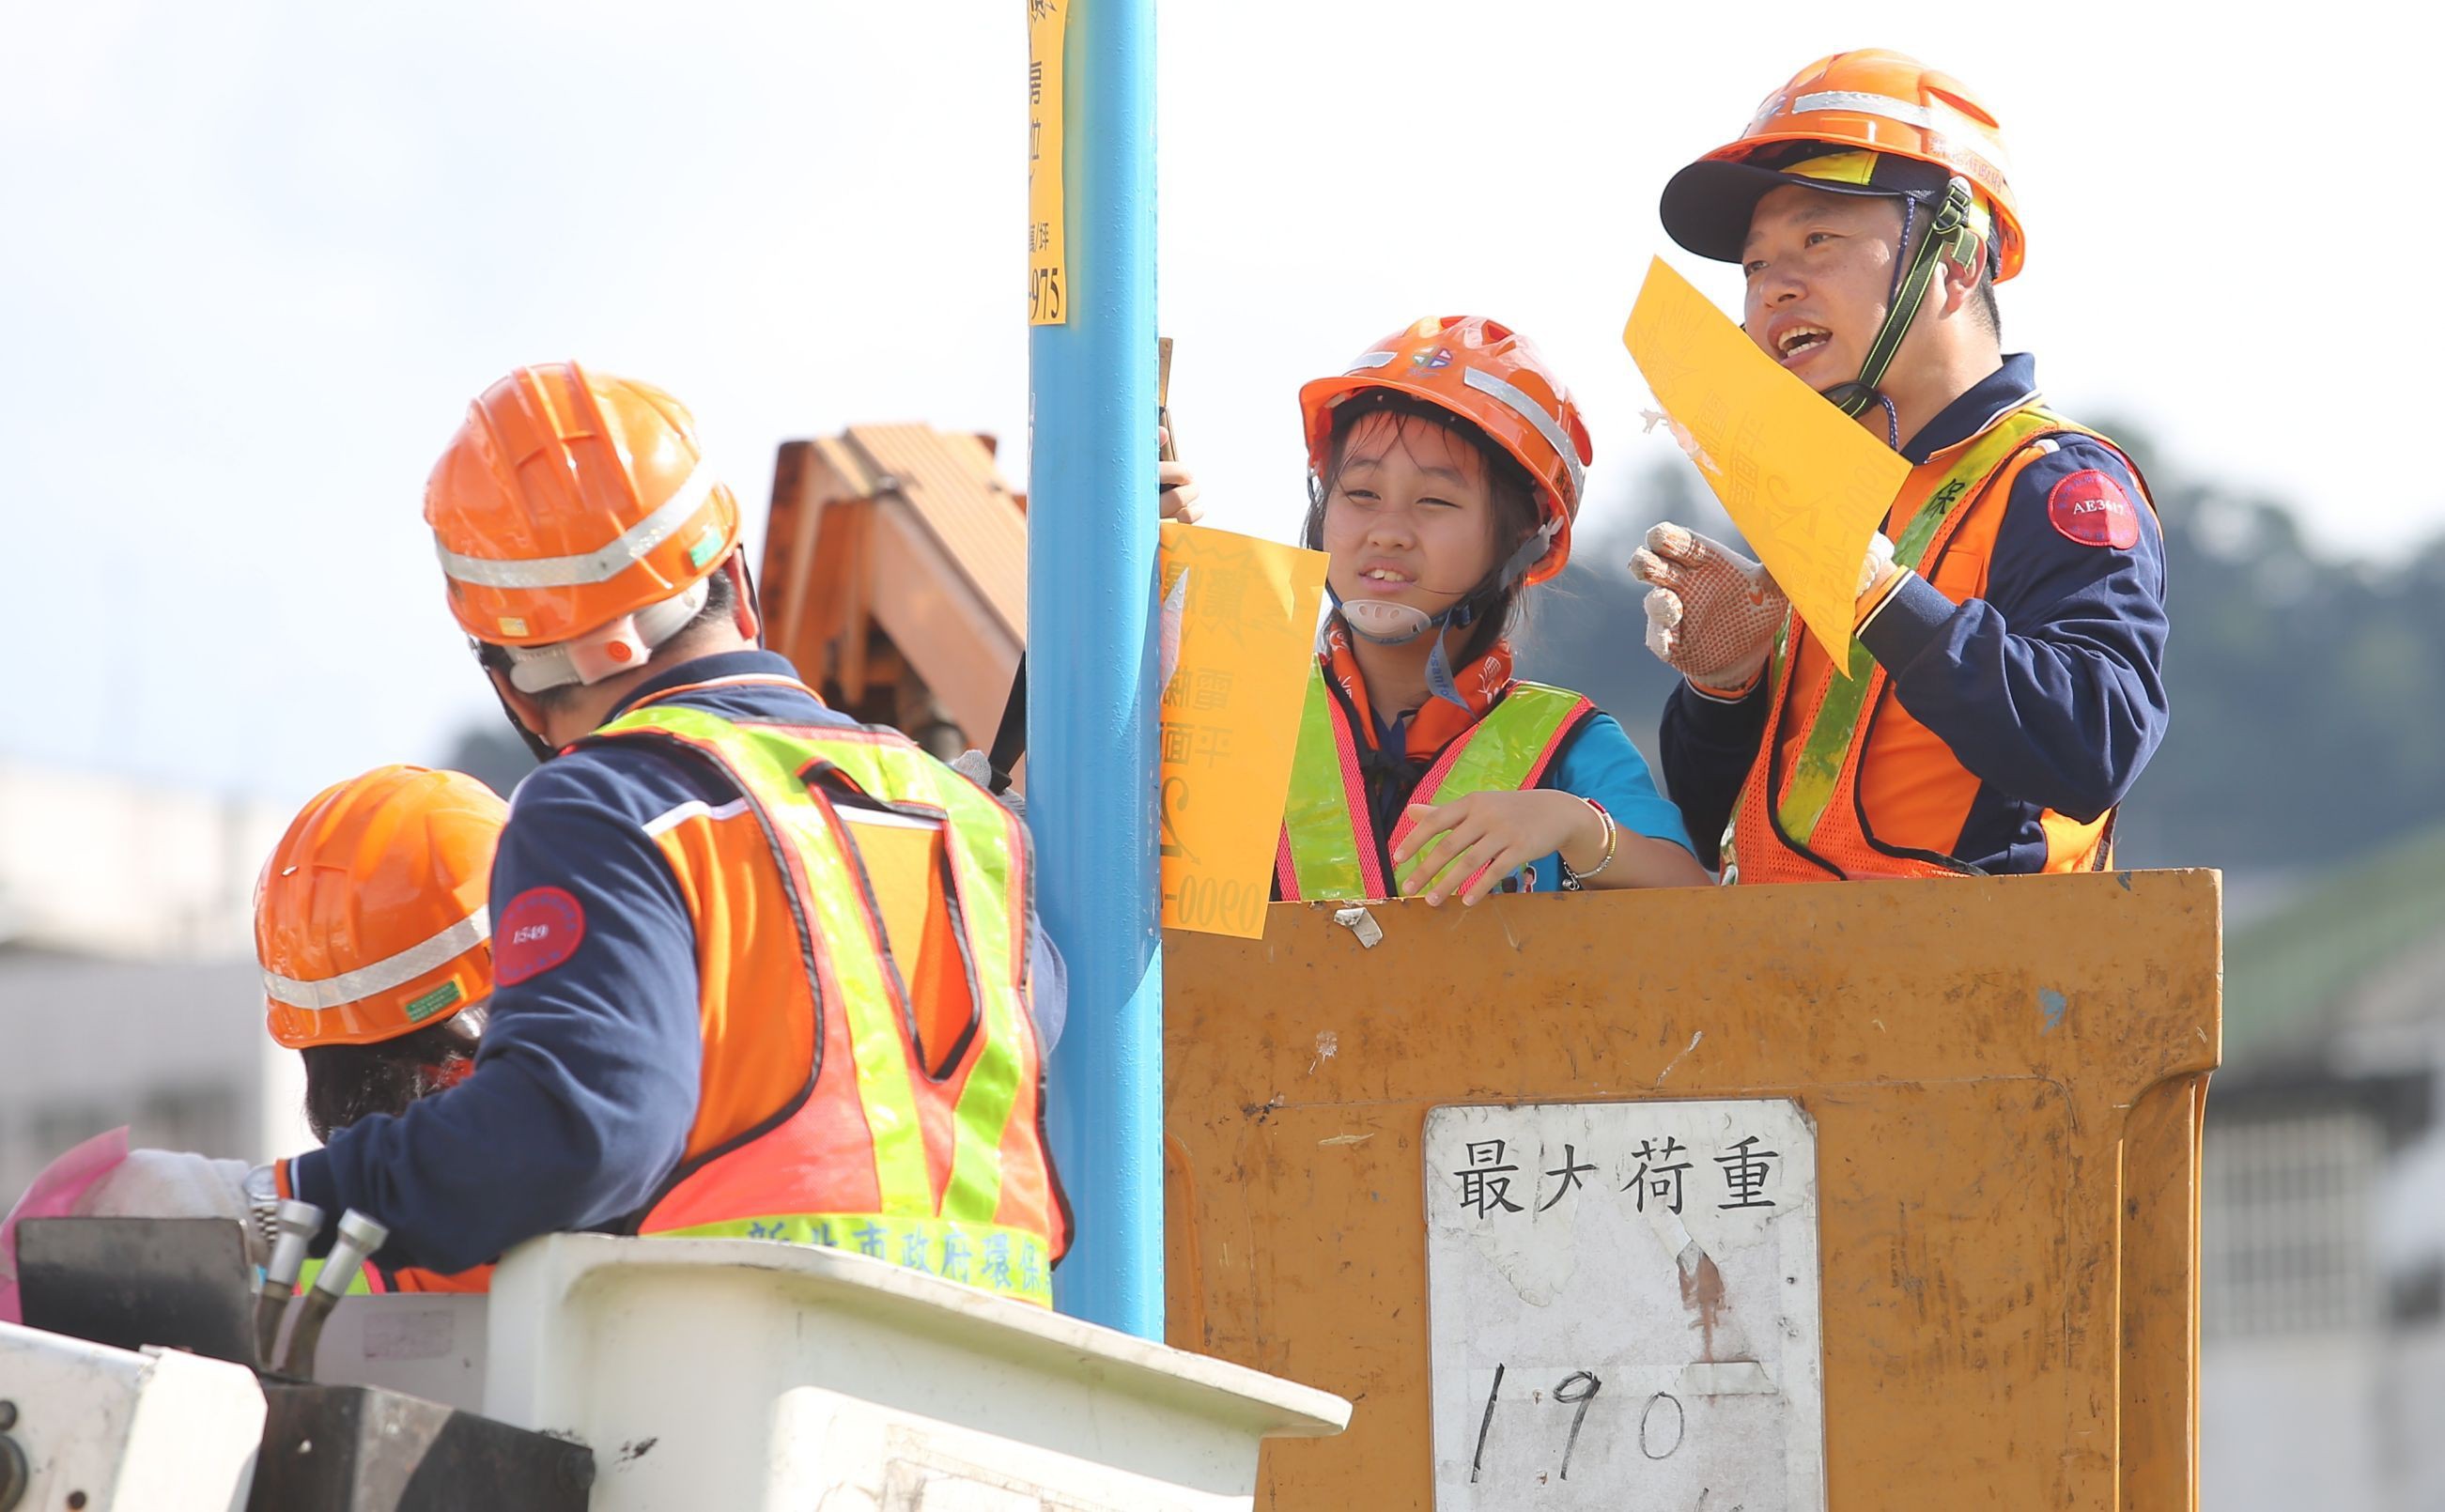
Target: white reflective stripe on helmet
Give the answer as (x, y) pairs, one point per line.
(1371, 359)
(391, 971)
(1528, 409)
(591, 567)
(584, 657)
(1938, 117)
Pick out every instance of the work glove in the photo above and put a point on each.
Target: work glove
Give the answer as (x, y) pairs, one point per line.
(1712, 613)
(1879, 574)
(978, 768)
(174, 1184)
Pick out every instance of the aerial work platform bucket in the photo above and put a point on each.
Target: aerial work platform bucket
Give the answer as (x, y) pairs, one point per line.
(1865, 1196)
(737, 1374)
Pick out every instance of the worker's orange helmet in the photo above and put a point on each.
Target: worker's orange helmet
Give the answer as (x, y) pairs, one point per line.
(1869, 122)
(1487, 374)
(369, 917)
(576, 510)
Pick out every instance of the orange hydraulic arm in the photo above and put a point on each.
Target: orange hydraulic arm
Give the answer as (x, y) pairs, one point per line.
(895, 577)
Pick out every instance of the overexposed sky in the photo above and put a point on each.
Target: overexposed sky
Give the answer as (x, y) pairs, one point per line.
(255, 258)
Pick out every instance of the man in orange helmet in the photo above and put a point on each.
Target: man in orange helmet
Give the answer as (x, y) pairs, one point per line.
(371, 928)
(2005, 688)
(371, 932)
(760, 971)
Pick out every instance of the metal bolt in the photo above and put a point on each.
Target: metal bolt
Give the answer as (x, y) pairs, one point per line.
(14, 1476)
(7, 1416)
(76, 1500)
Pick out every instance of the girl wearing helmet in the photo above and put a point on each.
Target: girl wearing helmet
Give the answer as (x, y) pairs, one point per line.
(1446, 467)
(371, 929)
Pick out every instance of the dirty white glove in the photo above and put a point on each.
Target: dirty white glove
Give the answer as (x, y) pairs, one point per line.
(1711, 612)
(174, 1184)
(978, 768)
(1879, 576)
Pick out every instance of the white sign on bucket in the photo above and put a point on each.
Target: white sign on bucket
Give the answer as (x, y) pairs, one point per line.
(1622, 1306)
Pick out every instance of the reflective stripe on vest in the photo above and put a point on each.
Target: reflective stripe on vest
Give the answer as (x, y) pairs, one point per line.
(783, 771)
(1836, 726)
(1329, 847)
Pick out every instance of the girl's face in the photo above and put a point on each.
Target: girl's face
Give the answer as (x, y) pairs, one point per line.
(1410, 518)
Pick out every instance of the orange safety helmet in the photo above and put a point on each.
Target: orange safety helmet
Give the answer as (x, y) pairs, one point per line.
(1923, 126)
(575, 511)
(1490, 376)
(369, 917)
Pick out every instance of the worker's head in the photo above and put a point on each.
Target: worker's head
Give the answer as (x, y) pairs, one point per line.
(1820, 269)
(1869, 206)
(371, 930)
(585, 543)
(1444, 468)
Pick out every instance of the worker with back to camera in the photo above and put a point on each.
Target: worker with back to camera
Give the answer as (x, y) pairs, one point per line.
(759, 972)
(371, 932)
(372, 928)
(1446, 467)
(2005, 688)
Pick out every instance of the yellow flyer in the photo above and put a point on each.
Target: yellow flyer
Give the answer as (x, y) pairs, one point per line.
(1806, 484)
(1048, 271)
(1238, 633)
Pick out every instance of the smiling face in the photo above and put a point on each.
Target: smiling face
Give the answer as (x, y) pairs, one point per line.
(1820, 269)
(1409, 513)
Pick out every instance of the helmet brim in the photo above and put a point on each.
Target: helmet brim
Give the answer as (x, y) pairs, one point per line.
(1707, 206)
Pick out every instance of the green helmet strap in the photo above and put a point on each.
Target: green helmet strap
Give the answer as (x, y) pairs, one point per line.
(1950, 239)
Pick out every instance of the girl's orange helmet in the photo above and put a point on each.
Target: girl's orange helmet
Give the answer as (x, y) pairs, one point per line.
(570, 500)
(1870, 100)
(369, 917)
(1495, 379)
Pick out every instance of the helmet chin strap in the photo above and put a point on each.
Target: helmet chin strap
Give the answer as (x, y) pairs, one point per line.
(1949, 238)
(1400, 624)
(536, 745)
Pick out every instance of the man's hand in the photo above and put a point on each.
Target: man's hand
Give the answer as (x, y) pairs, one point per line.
(1711, 612)
(1879, 574)
(174, 1184)
(1178, 486)
(1476, 840)
(978, 768)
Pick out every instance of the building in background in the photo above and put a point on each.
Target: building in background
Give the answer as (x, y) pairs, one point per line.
(2322, 1353)
(128, 989)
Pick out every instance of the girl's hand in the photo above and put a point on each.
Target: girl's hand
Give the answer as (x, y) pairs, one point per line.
(1475, 841)
(1178, 484)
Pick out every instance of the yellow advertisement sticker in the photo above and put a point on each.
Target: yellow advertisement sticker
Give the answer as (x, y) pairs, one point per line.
(1237, 635)
(1806, 484)
(1048, 268)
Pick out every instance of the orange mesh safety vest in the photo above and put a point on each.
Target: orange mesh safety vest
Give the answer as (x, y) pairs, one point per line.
(375, 1280)
(1807, 812)
(930, 1155)
(1329, 847)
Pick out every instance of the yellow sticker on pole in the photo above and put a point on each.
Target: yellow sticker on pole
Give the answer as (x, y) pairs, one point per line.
(1047, 268)
(1806, 484)
(1238, 634)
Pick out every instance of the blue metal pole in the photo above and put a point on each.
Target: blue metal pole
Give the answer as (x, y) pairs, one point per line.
(1091, 729)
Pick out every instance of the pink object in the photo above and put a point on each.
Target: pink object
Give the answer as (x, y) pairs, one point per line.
(54, 1194)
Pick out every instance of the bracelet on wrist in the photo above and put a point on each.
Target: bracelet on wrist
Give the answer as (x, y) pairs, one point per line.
(1612, 841)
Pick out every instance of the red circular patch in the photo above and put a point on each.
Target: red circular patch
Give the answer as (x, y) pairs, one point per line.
(539, 929)
(2091, 508)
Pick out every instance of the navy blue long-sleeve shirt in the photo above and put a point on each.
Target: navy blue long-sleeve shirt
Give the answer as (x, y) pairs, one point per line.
(2050, 688)
(585, 1083)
